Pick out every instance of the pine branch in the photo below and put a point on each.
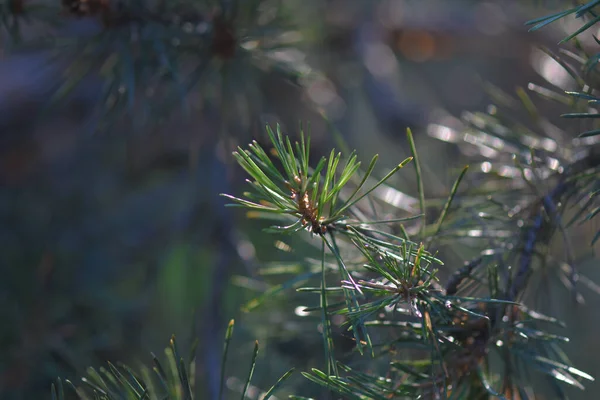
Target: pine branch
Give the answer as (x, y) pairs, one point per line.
(392, 284)
(371, 272)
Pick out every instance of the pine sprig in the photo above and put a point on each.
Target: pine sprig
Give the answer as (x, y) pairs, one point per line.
(584, 11)
(173, 379)
(389, 282)
(552, 179)
(312, 197)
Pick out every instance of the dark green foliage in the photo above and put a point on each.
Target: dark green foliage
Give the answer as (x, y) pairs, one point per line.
(91, 304)
(172, 379)
(18, 15)
(155, 57)
(419, 327)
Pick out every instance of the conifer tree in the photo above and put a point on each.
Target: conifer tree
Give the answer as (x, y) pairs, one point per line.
(396, 320)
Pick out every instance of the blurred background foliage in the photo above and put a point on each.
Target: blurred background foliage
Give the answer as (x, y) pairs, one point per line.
(115, 142)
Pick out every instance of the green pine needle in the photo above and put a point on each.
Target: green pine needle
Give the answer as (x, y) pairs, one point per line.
(252, 366)
(228, 335)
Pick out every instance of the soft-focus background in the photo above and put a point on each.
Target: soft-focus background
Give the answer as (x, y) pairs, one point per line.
(111, 242)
